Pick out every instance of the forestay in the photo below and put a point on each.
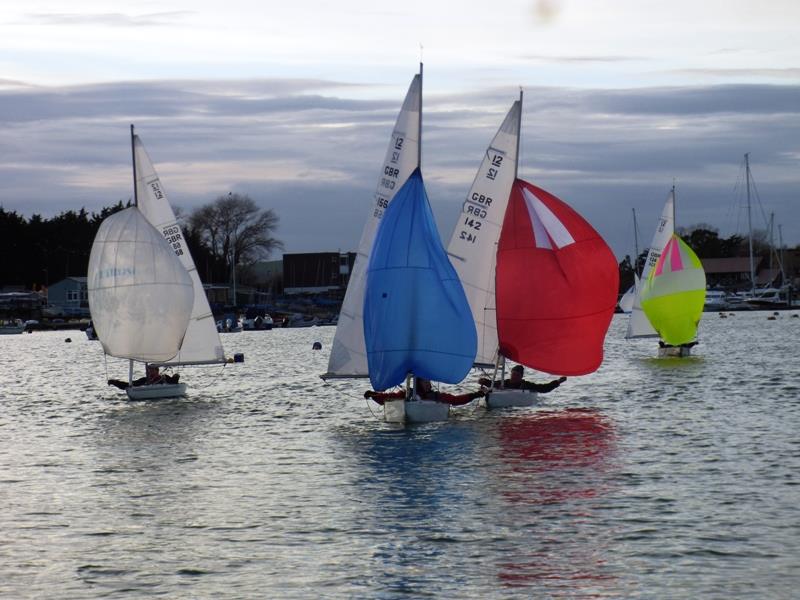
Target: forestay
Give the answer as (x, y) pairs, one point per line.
(556, 285)
(348, 353)
(201, 344)
(140, 295)
(416, 316)
(638, 324)
(473, 245)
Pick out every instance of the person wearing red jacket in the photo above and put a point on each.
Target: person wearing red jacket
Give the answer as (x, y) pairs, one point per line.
(425, 392)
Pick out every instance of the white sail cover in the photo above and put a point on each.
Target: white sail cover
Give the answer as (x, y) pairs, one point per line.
(202, 344)
(140, 295)
(348, 353)
(638, 323)
(473, 245)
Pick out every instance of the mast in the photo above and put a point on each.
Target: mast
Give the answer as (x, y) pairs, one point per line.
(135, 203)
(635, 241)
(750, 224)
(771, 239)
(133, 159)
(519, 132)
(419, 126)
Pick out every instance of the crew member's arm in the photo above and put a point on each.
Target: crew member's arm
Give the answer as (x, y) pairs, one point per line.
(543, 388)
(459, 399)
(381, 397)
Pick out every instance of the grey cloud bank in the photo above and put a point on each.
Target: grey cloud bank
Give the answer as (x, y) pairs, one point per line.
(311, 150)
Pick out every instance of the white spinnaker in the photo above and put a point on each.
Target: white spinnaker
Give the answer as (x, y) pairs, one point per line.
(638, 324)
(348, 352)
(140, 295)
(473, 245)
(202, 344)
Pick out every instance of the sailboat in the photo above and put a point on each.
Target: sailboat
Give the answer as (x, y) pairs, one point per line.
(673, 296)
(638, 324)
(145, 296)
(541, 282)
(671, 293)
(404, 314)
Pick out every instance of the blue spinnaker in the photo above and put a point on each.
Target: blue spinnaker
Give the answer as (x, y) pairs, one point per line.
(416, 316)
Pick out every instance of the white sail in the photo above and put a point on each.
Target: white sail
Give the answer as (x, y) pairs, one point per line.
(140, 295)
(348, 353)
(473, 245)
(628, 298)
(638, 324)
(202, 344)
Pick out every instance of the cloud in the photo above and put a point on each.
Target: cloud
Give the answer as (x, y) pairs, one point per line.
(157, 19)
(311, 149)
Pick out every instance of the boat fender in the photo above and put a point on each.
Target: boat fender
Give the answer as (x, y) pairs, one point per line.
(316, 346)
(68, 340)
(238, 357)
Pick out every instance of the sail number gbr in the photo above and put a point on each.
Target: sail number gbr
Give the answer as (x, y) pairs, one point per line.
(475, 209)
(174, 237)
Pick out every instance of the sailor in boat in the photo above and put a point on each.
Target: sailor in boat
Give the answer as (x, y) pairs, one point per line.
(517, 382)
(152, 377)
(425, 391)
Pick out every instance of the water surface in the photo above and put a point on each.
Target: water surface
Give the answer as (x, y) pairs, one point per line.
(652, 478)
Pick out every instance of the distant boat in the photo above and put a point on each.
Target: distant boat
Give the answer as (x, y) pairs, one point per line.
(673, 297)
(541, 282)
(11, 327)
(638, 324)
(716, 300)
(145, 296)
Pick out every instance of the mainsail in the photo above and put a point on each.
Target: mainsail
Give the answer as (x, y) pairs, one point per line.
(348, 353)
(473, 245)
(638, 324)
(201, 344)
(140, 295)
(541, 283)
(557, 283)
(674, 293)
(416, 316)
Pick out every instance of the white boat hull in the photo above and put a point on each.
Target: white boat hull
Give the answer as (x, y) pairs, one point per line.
(158, 390)
(415, 411)
(508, 398)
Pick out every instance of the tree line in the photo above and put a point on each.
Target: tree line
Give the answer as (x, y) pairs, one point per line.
(231, 230)
(706, 243)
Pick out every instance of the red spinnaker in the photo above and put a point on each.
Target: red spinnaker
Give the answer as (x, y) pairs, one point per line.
(556, 283)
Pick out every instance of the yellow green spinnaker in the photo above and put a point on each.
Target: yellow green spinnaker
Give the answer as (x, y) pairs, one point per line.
(674, 293)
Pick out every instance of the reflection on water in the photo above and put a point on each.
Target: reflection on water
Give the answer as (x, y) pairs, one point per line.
(555, 465)
(650, 478)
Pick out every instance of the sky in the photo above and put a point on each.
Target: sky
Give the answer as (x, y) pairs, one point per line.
(293, 104)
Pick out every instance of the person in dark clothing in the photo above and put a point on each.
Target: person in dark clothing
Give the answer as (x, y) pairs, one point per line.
(517, 382)
(425, 392)
(152, 377)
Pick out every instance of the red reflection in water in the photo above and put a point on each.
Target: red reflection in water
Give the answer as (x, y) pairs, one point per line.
(556, 461)
(548, 440)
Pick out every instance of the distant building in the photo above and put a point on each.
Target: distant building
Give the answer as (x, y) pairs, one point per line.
(730, 272)
(69, 297)
(317, 272)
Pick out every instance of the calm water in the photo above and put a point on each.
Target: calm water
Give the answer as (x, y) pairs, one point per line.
(648, 479)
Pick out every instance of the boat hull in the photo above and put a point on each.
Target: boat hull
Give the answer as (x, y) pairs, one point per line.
(156, 391)
(674, 352)
(415, 411)
(510, 398)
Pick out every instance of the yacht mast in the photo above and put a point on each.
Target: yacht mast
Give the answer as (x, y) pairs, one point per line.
(750, 224)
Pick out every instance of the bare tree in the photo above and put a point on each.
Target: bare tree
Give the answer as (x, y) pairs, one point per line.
(233, 226)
